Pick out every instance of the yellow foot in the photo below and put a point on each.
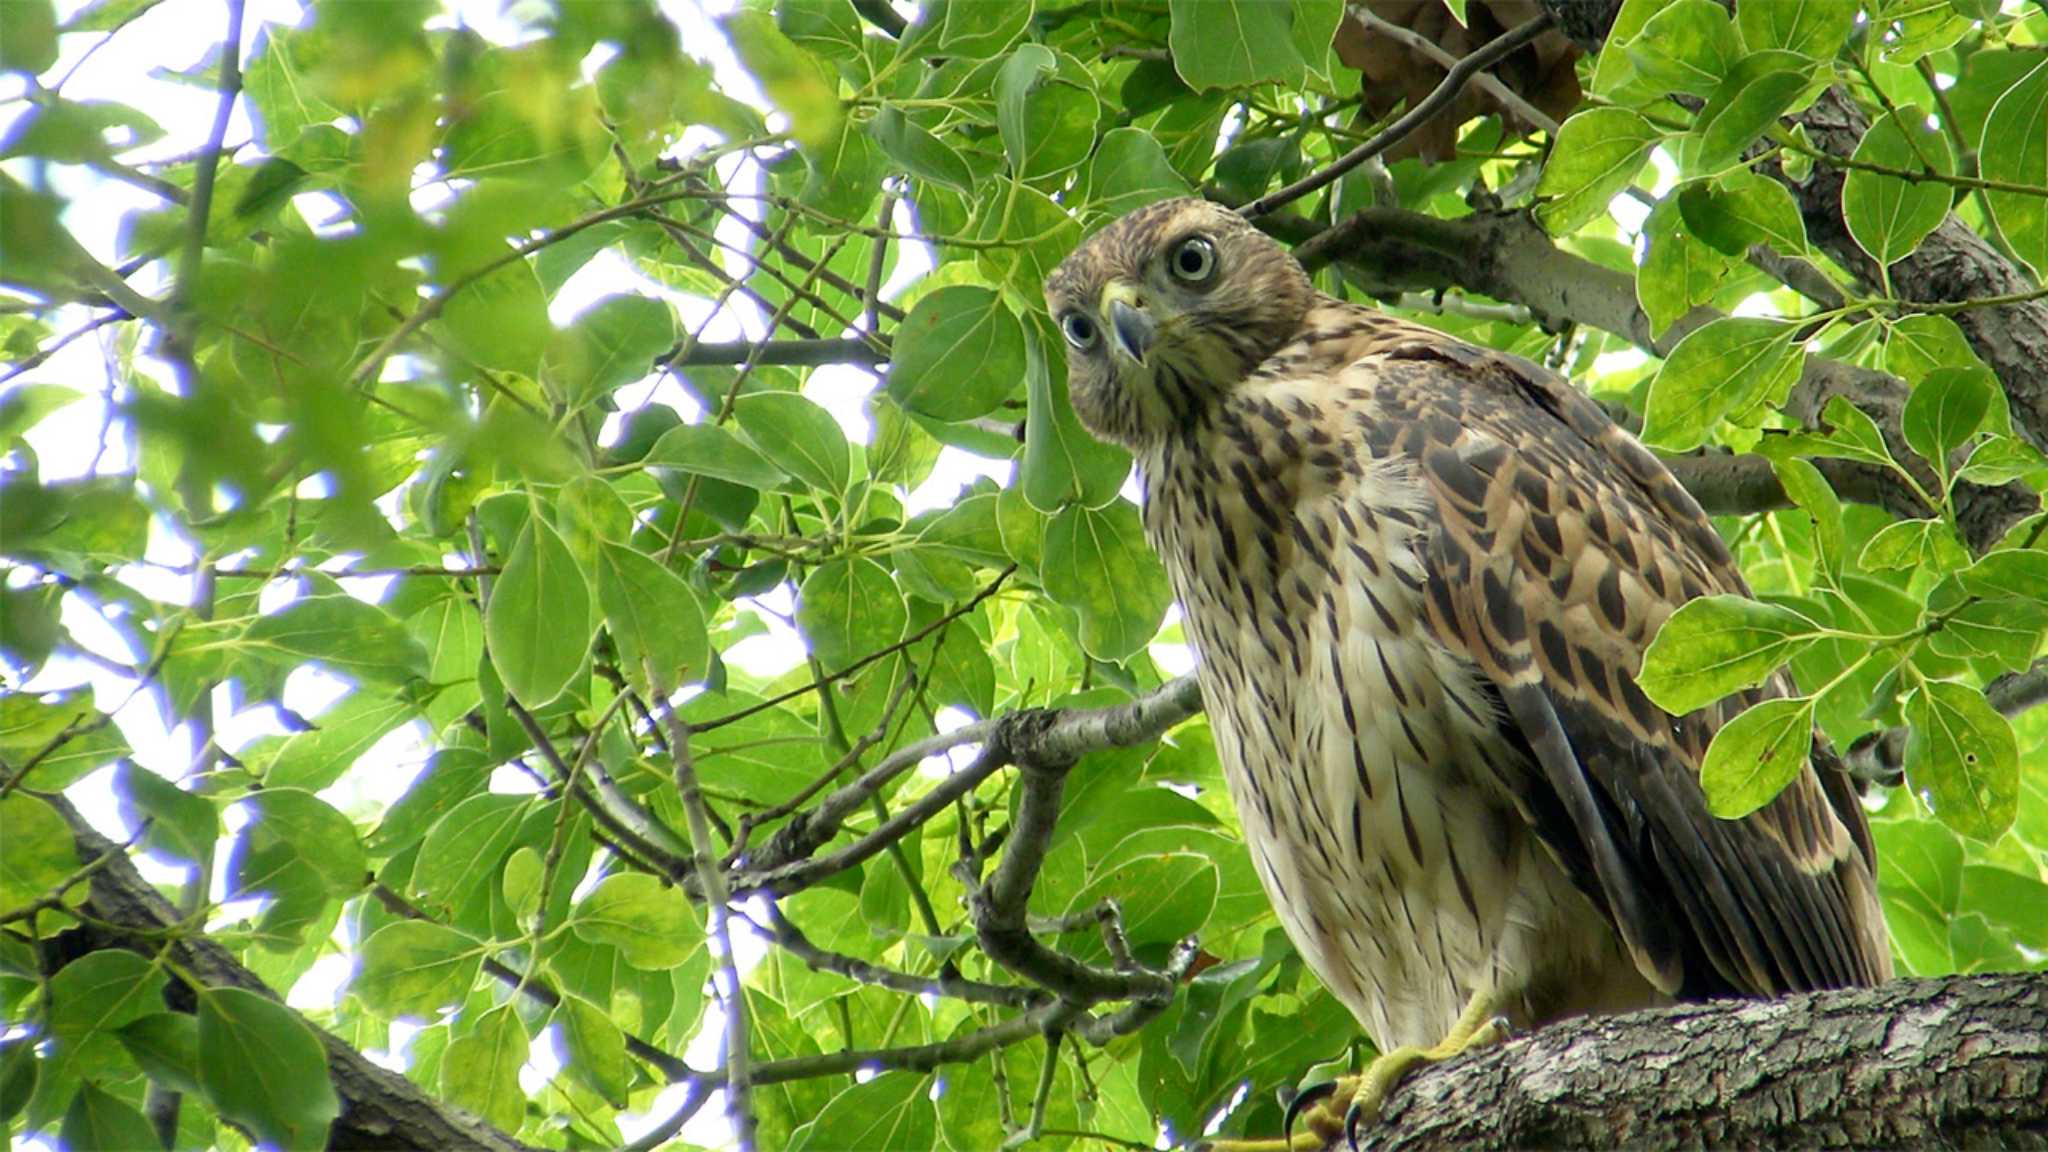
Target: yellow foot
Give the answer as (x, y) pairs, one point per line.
(1477, 1027)
(1334, 1112)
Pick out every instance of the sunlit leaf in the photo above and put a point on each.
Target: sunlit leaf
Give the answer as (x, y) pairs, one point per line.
(1755, 755)
(1716, 645)
(1962, 758)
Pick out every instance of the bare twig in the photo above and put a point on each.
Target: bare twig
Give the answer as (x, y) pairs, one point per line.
(1486, 81)
(711, 880)
(1441, 96)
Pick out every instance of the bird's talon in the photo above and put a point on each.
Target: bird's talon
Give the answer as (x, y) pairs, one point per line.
(1503, 1029)
(1303, 1099)
(1354, 1116)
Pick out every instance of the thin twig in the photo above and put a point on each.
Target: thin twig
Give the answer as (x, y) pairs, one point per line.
(1441, 96)
(857, 665)
(1487, 81)
(711, 879)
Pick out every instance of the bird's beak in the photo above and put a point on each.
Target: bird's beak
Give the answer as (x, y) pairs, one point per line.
(1131, 327)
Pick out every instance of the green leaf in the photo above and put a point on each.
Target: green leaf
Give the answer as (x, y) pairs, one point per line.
(416, 968)
(1097, 563)
(100, 992)
(317, 757)
(40, 850)
(1715, 645)
(982, 30)
(500, 321)
(1045, 111)
(828, 26)
(2007, 630)
(1718, 370)
(1945, 410)
(794, 80)
(182, 824)
(462, 851)
(1678, 272)
(28, 36)
(652, 924)
(1755, 755)
(358, 639)
(1888, 215)
(2021, 572)
(1741, 209)
(1810, 491)
(98, 1119)
(1130, 170)
(166, 1046)
(958, 355)
(709, 450)
(1689, 46)
(1062, 462)
(654, 617)
(264, 1069)
(1920, 867)
(920, 153)
(1597, 154)
(614, 343)
(538, 620)
(1962, 758)
(1815, 28)
(310, 827)
(1913, 544)
(1917, 345)
(848, 608)
(843, 174)
(61, 732)
(480, 1071)
(2015, 151)
(597, 1049)
(1233, 43)
(801, 438)
(20, 1070)
(892, 1110)
(1742, 108)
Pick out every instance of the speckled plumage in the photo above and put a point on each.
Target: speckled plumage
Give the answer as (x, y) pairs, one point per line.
(1419, 576)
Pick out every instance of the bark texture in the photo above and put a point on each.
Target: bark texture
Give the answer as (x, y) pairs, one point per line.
(1960, 1062)
(379, 1108)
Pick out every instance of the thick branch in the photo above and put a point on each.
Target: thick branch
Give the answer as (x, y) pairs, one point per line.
(379, 1108)
(1955, 1062)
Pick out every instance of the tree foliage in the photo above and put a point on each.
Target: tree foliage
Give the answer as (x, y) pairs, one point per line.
(349, 405)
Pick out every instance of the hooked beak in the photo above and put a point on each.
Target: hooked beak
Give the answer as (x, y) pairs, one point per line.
(1130, 326)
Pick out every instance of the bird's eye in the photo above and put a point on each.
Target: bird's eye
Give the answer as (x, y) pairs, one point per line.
(1079, 329)
(1195, 260)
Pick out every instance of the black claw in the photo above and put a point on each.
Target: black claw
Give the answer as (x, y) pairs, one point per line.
(1505, 1027)
(1303, 1099)
(1353, 1117)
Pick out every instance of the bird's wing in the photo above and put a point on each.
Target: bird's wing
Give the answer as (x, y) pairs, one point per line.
(1560, 546)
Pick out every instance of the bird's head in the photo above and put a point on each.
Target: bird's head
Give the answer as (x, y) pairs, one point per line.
(1166, 310)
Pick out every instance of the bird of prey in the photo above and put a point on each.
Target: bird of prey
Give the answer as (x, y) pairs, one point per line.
(1419, 576)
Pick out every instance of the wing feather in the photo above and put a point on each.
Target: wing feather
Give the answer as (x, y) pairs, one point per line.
(1561, 546)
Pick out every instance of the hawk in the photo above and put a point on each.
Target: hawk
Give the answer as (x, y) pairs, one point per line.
(1419, 576)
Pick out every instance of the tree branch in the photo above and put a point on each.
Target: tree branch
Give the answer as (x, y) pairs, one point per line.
(1955, 1062)
(379, 1108)
(1488, 54)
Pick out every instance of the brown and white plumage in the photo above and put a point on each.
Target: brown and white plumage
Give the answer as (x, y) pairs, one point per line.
(1419, 576)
